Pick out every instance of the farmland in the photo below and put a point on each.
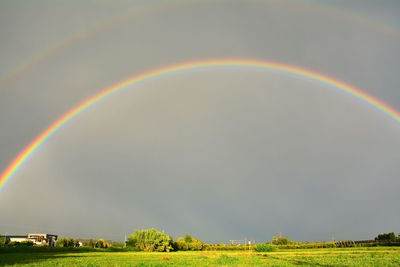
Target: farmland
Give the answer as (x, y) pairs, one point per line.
(373, 256)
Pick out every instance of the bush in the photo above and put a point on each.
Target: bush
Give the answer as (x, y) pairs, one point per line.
(225, 247)
(150, 240)
(188, 243)
(264, 248)
(310, 245)
(21, 244)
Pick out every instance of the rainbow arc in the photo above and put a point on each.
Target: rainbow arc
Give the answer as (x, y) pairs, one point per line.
(269, 65)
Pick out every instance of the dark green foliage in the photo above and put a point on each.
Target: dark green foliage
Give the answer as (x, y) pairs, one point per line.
(386, 237)
(264, 247)
(150, 240)
(67, 242)
(21, 244)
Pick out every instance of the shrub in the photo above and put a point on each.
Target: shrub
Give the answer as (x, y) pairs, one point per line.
(310, 245)
(188, 243)
(264, 247)
(150, 240)
(21, 244)
(225, 247)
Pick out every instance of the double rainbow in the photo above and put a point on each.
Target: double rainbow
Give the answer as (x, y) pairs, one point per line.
(47, 133)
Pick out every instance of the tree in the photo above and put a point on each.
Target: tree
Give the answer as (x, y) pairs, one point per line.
(150, 240)
(101, 243)
(188, 243)
(196, 244)
(386, 237)
(91, 243)
(281, 240)
(181, 244)
(60, 242)
(188, 239)
(284, 240)
(65, 242)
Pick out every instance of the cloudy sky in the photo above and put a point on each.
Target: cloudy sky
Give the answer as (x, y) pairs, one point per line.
(221, 153)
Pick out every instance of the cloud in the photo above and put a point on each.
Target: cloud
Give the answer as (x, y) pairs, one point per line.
(220, 153)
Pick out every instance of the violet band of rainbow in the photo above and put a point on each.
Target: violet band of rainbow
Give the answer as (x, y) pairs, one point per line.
(48, 132)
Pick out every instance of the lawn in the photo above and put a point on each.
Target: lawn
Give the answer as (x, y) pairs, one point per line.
(377, 256)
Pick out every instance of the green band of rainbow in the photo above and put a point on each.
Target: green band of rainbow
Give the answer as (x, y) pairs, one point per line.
(34, 145)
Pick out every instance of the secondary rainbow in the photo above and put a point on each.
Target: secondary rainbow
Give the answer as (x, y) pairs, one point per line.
(147, 11)
(47, 133)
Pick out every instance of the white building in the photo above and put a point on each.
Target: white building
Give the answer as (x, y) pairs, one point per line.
(37, 239)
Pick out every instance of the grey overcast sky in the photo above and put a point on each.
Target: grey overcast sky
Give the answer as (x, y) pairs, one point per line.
(221, 153)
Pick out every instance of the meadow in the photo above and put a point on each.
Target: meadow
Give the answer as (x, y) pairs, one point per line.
(372, 256)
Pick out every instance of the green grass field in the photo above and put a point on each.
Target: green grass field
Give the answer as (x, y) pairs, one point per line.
(377, 256)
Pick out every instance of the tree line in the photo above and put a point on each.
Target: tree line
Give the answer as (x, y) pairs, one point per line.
(154, 240)
(68, 242)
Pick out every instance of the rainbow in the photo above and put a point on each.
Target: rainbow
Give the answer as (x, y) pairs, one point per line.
(36, 59)
(269, 65)
(134, 13)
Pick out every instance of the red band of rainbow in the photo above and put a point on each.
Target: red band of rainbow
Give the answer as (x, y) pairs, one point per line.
(34, 145)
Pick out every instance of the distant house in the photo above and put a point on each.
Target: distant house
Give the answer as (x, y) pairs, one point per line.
(37, 239)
